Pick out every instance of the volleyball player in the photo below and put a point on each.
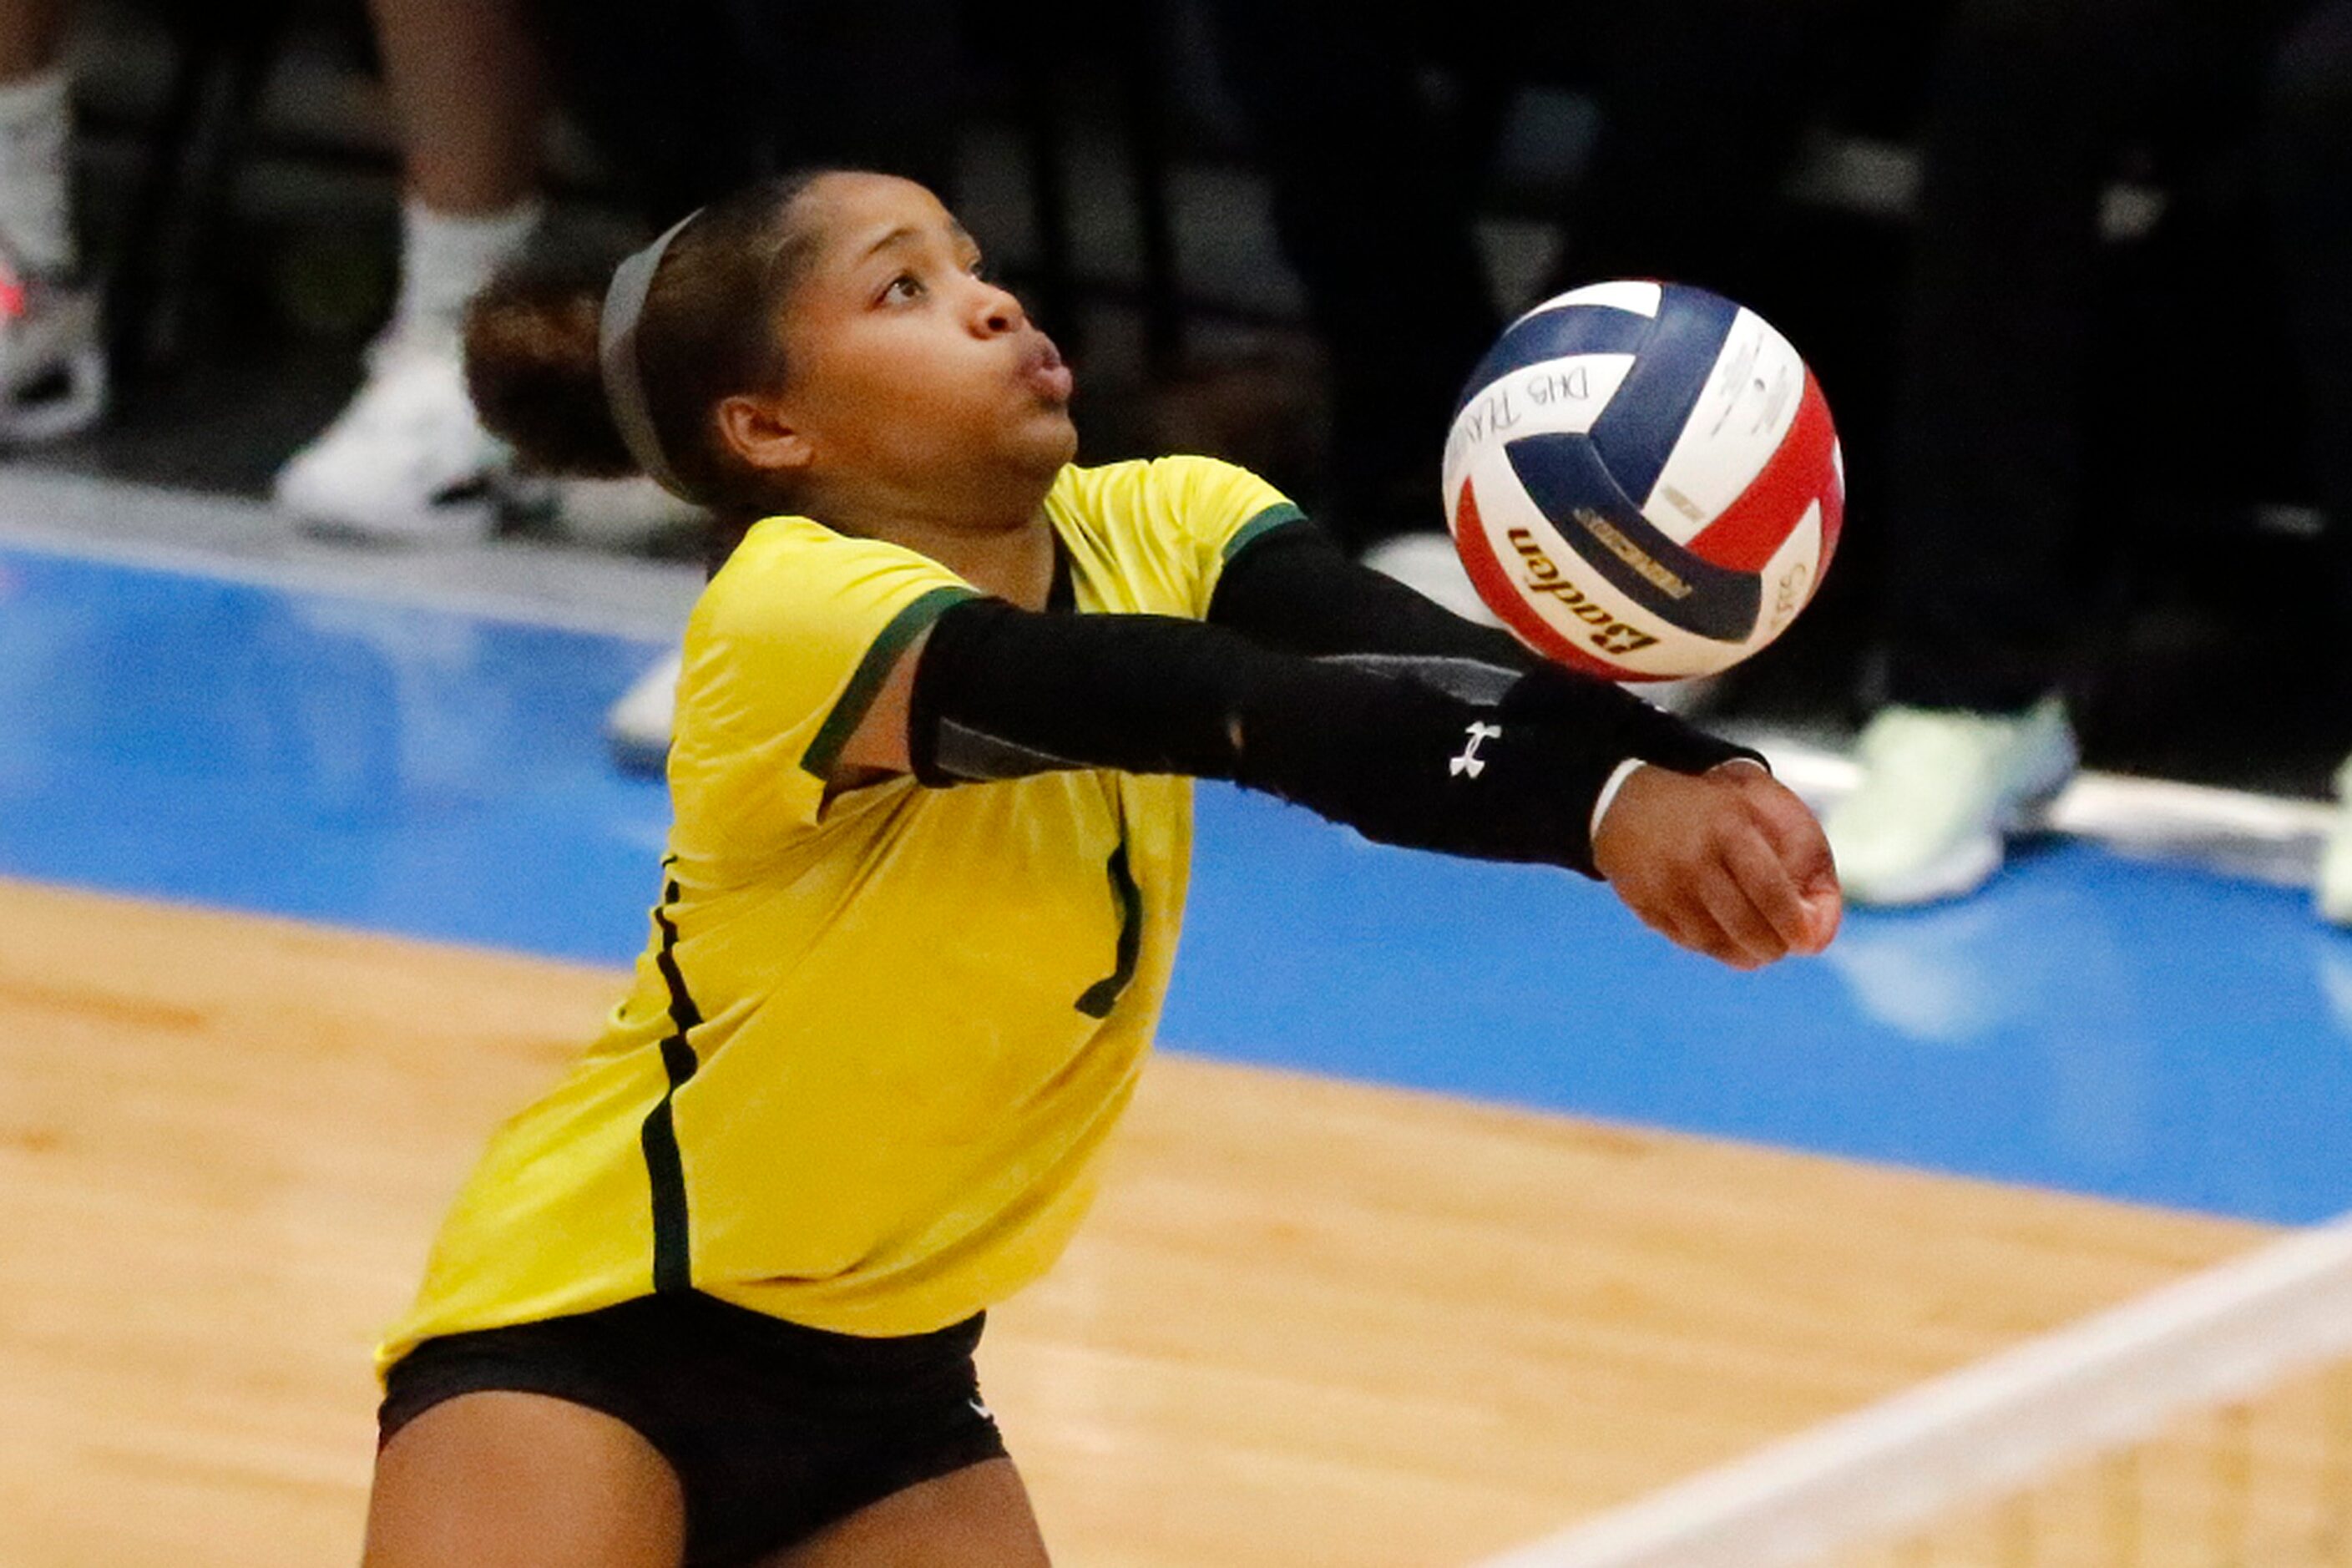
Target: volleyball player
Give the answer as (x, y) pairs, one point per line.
(713, 1299)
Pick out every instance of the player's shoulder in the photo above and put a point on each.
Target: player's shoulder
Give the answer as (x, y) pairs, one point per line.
(788, 566)
(775, 548)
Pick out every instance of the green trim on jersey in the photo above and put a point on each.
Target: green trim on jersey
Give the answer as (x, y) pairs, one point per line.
(664, 1169)
(1277, 516)
(1103, 995)
(875, 668)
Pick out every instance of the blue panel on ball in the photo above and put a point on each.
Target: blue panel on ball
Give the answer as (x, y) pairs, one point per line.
(1563, 475)
(1637, 432)
(1556, 334)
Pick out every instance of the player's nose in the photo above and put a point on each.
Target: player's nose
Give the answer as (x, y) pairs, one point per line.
(997, 311)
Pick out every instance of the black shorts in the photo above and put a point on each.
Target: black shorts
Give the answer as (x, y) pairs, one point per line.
(775, 1430)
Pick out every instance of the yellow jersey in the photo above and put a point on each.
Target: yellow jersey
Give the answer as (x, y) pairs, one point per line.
(878, 1036)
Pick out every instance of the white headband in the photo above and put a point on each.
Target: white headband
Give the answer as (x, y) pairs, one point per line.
(616, 353)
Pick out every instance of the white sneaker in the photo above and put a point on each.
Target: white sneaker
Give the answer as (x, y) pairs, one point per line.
(2334, 894)
(406, 462)
(1939, 790)
(637, 726)
(1429, 565)
(52, 356)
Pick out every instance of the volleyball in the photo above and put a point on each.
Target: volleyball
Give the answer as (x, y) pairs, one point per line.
(1644, 481)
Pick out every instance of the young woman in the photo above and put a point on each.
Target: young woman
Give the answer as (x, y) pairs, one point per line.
(713, 1300)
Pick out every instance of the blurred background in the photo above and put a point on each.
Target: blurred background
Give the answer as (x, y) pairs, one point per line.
(237, 188)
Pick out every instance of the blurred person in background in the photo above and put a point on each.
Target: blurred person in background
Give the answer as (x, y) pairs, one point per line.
(686, 101)
(1376, 185)
(2032, 106)
(52, 356)
(406, 461)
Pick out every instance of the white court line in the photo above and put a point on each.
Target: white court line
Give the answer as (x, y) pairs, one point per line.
(233, 540)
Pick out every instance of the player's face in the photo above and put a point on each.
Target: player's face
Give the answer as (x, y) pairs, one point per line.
(908, 365)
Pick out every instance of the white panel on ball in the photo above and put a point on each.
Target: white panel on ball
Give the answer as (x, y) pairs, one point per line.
(1788, 577)
(1741, 418)
(1558, 396)
(1639, 295)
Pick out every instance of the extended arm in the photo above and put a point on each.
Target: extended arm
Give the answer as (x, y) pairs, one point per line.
(1728, 864)
(1723, 860)
(1001, 692)
(1295, 589)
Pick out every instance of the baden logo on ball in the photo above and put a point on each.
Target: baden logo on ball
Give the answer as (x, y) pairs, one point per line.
(1643, 480)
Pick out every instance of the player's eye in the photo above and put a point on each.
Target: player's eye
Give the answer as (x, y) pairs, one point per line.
(906, 285)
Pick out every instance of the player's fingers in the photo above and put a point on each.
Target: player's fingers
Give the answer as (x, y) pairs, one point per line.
(1825, 906)
(1778, 808)
(1695, 927)
(1720, 946)
(1663, 912)
(1796, 837)
(1814, 868)
(1793, 830)
(1737, 916)
(1660, 915)
(1767, 882)
(1670, 908)
(1677, 930)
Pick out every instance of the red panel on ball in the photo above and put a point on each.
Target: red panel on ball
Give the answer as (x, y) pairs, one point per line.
(1801, 469)
(1502, 596)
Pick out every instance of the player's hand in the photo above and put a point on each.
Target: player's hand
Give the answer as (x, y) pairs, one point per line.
(1730, 863)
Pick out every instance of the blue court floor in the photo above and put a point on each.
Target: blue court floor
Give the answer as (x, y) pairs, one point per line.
(2128, 1027)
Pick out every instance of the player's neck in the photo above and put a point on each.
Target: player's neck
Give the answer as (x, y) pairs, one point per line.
(1003, 546)
(1014, 564)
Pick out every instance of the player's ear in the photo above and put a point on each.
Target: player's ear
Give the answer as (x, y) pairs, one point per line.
(756, 429)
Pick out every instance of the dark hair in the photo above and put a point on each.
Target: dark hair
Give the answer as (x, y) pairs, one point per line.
(531, 337)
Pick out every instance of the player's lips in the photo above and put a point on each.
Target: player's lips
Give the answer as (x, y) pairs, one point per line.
(1042, 367)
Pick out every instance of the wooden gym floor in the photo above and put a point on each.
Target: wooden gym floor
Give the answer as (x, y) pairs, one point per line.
(1312, 1322)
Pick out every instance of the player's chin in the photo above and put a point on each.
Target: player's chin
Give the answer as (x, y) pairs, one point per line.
(1045, 431)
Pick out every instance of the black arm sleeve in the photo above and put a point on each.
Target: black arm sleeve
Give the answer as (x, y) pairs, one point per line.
(1295, 589)
(1002, 692)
